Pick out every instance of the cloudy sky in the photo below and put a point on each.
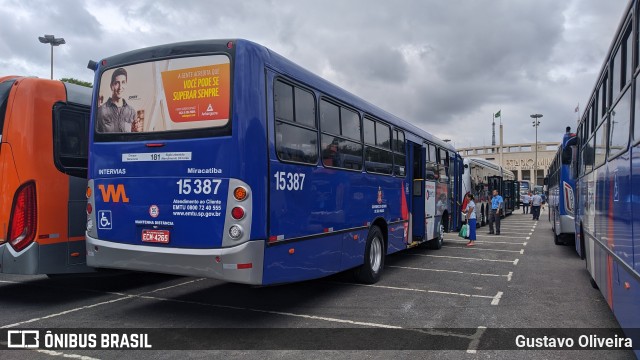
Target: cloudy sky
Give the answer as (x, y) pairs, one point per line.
(444, 65)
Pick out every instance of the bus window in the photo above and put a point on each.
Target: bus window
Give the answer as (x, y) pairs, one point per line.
(620, 119)
(636, 117)
(600, 145)
(432, 171)
(432, 154)
(378, 155)
(399, 158)
(296, 136)
(5, 89)
(70, 138)
(341, 145)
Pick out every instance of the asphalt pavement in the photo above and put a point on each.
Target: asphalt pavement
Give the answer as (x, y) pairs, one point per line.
(463, 301)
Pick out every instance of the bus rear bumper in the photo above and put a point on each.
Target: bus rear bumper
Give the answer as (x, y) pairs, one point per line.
(38, 259)
(239, 264)
(24, 262)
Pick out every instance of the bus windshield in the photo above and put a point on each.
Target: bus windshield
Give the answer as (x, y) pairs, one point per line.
(166, 95)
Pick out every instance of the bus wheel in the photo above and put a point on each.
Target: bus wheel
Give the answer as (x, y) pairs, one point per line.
(593, 282)
(436, 244)
(370, 271)
(556, 238)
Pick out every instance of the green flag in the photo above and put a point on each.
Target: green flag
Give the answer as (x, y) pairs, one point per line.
(498, 113)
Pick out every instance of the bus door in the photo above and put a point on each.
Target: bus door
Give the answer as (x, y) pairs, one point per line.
(417, 156)
(507, 194)
(516, 194)
(495, 183)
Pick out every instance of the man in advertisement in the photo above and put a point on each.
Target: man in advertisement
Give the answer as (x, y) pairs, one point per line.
(116, 115)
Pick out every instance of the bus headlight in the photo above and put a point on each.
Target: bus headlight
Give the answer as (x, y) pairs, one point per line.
(235, 232)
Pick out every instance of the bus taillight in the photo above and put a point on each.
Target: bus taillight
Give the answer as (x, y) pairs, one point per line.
(22, 227)
(237, 213)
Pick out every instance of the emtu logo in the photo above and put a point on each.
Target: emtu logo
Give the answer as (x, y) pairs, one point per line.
(113, 193)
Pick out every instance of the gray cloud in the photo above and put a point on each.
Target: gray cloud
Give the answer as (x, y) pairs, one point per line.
(446, 66)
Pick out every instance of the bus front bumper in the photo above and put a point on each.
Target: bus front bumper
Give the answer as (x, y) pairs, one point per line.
(239, 264)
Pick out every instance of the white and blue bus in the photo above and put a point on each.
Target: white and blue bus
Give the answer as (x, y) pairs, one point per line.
(608, 178)
(226, 160)
(479, 178)
(561, 184)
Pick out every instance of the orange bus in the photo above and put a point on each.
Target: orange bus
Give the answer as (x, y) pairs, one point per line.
(43, 166)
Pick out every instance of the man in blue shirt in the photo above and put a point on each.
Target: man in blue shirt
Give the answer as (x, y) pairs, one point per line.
(496, 211)
(536, 202)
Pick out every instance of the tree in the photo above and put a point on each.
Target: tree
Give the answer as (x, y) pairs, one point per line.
(77, 82)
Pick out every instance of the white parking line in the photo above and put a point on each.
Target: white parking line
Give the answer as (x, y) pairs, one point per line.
(486, 242)
(521, 251)
(124, 297)
(502, 236)
(496, 299)
(473, 345)
(66, 312)
(509, 275)
(515, 262)
(449, 271)
(56, 353)
(430, 291)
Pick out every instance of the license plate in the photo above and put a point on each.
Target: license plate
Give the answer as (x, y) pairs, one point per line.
(155, 236)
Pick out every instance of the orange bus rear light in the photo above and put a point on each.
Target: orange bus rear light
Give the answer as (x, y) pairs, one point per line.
(22, 226)
(240, 193)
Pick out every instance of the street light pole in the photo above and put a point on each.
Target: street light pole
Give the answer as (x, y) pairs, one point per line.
(536, 123)
(54, 41)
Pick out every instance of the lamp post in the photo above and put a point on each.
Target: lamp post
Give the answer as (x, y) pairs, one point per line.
(54, 41)
(536, 123)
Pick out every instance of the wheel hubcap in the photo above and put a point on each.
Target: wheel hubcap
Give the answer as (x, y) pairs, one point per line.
(375, 254)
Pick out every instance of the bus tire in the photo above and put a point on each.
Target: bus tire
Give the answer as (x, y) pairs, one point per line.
(593, 282)
(370, 271)
(556, 238)
(436, 244)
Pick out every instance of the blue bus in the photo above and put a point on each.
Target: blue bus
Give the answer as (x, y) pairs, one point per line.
(608, 181)
(223, 159)
(561, 184)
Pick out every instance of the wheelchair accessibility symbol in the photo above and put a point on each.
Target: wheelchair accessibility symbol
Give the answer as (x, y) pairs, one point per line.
(104, 219)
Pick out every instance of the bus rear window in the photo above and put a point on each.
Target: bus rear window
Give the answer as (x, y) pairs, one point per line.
(5, 89)
(167, 95)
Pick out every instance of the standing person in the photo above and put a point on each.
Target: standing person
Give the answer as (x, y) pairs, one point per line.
(496, 211)
(471, 216)
(526, 199)
(536, 202)
(116, 115)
